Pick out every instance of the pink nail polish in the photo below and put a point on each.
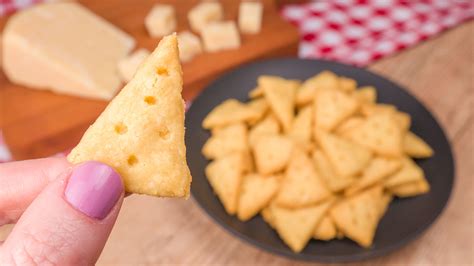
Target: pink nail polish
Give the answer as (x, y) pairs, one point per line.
(93, 189)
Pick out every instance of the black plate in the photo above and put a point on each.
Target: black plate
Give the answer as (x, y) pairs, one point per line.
(405, 219)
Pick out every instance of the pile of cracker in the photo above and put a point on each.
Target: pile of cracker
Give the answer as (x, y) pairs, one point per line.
(317, 159)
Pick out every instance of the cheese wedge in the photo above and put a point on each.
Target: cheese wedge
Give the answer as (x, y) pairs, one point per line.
(141, 132)
(65, 48)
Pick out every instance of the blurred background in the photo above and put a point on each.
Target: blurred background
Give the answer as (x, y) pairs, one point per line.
(426, 46)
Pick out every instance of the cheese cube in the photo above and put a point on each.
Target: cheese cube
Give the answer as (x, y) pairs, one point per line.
(189, 46)
(219, 36)
(203, 14)
(129, 65)
(160, 21)
(250, 17)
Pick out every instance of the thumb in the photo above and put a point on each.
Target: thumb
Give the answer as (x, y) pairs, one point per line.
(70, 221)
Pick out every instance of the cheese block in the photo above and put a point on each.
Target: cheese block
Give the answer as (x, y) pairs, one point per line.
(250, 17)
(65, 48)
(129, 65)
(160, 21)
(203, 14)
(189, 46)
(219, 36)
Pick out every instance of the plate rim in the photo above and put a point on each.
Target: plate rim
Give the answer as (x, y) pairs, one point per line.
(320, 257)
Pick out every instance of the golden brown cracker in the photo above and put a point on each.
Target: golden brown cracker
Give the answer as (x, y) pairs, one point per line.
(347, 158)
(333, 181)
(416, 147)
(228, 112)
(301, 185)
(348, 124)
(411, 189)
(229, 139)
(410, 172)
(255, 194)
(268, 126)
(225, 176)
(378, 169)
(256, 92)
(347, 84)
(380, 133)
(260, 106)
(323, 80)
(366, 94)
(301, 130)
(280, 94)
(325, 230)
(296, 226)
(384, 203)
(357, 216)
(331, 107)
(272, 153)
(141, 132)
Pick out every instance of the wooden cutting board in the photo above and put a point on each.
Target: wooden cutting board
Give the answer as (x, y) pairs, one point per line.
(40, 123)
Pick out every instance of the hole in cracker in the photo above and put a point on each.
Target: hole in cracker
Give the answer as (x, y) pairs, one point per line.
(120, 128)
(164, 133)
(132, 160)
(162, 71)
(150, 100)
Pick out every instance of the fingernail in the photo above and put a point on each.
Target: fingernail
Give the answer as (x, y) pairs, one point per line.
(93, 189)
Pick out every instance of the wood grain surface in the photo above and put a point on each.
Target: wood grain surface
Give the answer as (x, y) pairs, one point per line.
(439, 72)
(38, 123)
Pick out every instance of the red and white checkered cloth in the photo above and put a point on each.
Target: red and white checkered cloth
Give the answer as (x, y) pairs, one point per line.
(360, 31)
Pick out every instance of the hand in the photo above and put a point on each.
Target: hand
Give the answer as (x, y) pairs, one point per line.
(63, 213)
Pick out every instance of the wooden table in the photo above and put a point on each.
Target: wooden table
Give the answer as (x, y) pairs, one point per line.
(439, 72)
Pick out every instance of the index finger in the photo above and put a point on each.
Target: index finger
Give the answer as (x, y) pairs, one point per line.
(22, 181)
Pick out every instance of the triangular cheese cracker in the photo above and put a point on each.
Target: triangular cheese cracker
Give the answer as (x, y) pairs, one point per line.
(410, 172)
(331, 107)
(296, 226)
(300, 132)
(231, 138)
(403, 120)
(268, 216)
(378, 169)
(411, 189)
(323, 80)
(255, 194)
(380, 133)
(383, 203)
(141, 132)
(347, 158)
(357, 217)
(325, 230)
(369, 109)
(260, 106)
(333, 181)
(280, 94)
(416, 147)
(348, 124)
(268, 126)
(347, 84)
(301, 185)
(225, 176)
(256, 92)
(366, 94)
(272, 153)
(228, 112)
